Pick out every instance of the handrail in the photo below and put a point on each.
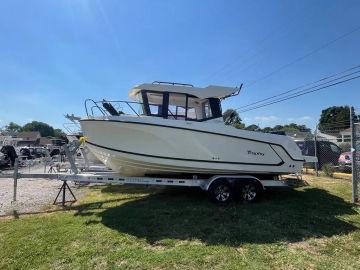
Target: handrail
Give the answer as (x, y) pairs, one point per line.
(72, 124)
(99, 106)
(131, 108)
(95, 105)
(173, 83)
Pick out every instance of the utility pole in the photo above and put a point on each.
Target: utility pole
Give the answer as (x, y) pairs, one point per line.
(353, 155)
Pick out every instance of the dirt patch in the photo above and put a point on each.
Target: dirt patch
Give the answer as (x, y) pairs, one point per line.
(33, 195)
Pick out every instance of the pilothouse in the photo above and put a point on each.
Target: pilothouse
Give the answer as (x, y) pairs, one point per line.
(180, 101)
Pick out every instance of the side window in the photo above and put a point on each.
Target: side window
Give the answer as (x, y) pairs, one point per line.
(155, 101)
(192, 103)
(335, 148)
(207, 109)
(177, 106)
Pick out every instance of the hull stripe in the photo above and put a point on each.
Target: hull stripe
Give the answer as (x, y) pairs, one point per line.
(183, 159)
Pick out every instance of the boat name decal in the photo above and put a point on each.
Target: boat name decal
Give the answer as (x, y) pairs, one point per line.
(255, 153)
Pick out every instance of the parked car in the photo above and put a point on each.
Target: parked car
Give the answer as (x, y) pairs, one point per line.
(327, 152)
(27, 153)
(39, 152)
(345, 160)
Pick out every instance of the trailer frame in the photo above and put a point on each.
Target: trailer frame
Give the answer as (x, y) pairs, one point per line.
(112, 178)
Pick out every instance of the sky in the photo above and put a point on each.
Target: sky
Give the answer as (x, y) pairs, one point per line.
(55, 54)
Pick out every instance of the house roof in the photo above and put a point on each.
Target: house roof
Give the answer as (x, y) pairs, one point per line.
(29, 135)
(326, 136)
(45, 141)
(206, 92)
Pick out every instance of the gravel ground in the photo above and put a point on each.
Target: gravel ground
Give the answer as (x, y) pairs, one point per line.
(33, 195)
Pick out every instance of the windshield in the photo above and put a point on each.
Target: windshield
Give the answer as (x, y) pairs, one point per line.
(179, 106)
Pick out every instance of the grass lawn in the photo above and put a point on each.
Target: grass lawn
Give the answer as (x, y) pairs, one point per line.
(132, 227)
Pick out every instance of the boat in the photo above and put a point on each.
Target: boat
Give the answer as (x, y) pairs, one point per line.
(172, 129)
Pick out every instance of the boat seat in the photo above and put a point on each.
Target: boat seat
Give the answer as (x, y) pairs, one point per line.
(110, 108)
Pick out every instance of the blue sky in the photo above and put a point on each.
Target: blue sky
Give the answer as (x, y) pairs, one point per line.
(55, 54)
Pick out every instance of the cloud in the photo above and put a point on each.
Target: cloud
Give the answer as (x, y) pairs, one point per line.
(267, 118)
(301, 118)
(305, 118)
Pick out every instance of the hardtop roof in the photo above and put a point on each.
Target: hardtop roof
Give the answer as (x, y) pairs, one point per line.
(206, 92)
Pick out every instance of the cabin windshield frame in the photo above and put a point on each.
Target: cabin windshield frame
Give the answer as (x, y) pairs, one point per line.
(187, 110)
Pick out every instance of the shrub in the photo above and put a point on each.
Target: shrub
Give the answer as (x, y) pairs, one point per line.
(328, 170)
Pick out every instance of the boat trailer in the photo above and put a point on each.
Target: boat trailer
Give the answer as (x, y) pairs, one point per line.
(215, 185)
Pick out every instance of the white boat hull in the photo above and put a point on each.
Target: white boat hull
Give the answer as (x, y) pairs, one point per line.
(137, 146)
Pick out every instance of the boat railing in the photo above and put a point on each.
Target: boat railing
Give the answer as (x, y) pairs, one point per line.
(72, 128)
(112, 107)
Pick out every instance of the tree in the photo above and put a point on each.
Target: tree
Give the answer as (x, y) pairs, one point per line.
(334, 119)
(59, 133)
(12, 127)
(287, 128)
(232, 117)
(44, 129)
(253, 128)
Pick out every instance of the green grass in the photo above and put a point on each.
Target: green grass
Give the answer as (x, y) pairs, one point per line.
(127, 227)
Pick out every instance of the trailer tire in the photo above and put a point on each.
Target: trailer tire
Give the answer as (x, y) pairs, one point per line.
(221, 192)
(250, 191)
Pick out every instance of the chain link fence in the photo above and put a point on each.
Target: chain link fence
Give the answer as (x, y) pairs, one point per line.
(355, 157)
(335, 146)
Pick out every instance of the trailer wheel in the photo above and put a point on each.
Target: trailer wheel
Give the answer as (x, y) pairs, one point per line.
(221, 192)
(249, 192)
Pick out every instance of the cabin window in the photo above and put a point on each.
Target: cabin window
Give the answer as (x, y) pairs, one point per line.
(206, 109)
(153, 103)
(177, 106)
(192, 105)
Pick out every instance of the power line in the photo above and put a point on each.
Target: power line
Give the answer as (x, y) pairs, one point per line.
(327, 44)
(235, 61)
(299, 87)
(301, 94)
(301, 91)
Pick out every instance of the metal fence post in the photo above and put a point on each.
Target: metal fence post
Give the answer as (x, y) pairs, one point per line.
(15, 175)
(315, 149)
(353, 154)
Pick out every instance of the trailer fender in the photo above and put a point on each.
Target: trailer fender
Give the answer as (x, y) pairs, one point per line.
(233, 179)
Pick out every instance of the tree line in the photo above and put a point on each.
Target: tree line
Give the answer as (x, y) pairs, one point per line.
(332, 120)
(45, 129)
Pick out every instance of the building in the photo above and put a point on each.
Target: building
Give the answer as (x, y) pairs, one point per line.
(44, 141)
(299, 135)
(28, 138)
(345, 135)
(326, 137)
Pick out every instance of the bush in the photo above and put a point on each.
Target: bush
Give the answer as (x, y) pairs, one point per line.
(328, 170)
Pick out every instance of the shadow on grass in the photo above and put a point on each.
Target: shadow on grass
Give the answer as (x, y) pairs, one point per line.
(281, 215)
(131, 189)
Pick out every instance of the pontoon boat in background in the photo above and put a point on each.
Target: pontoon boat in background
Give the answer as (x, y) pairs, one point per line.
(178, 129)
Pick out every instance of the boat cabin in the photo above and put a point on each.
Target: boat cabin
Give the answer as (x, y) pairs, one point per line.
(181, 101)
